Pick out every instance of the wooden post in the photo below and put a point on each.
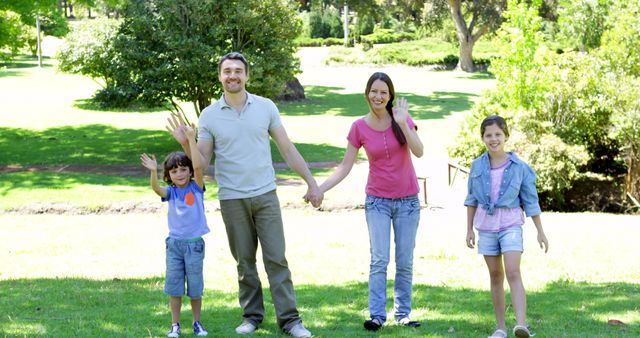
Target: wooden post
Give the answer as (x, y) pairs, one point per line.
(346, 25)
(39, 42)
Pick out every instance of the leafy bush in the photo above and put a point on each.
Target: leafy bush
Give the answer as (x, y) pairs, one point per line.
(325, 22)
(88, 50)
(383, 35)
(11, 33)
(317, 42)
(582, 22)
(413, 53)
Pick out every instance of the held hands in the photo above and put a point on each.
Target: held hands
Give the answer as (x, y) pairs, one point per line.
(542, 240)
(315, 196)
(401, 111)
(149, 162)
(471, 238)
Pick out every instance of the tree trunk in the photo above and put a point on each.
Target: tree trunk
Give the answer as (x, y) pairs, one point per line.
(632, 180)
(465, 37)
(465, 62)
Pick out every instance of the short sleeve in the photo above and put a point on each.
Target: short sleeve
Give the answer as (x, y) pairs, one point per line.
(354, 135)
(274, 116)
(470, 200)
(203, 129)
(529, 194)
(412, 124)
(171, 191)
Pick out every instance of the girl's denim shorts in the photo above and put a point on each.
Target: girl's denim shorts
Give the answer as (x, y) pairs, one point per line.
(497, 243)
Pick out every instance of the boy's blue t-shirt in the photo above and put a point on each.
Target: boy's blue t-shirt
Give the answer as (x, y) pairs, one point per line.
(186, 212)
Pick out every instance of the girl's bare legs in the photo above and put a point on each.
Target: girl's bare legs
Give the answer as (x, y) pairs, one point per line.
(196, 304)
(175, 303)
(518, 297)
(496, 274)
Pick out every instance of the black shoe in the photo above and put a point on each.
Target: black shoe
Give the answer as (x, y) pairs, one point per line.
(372, 325)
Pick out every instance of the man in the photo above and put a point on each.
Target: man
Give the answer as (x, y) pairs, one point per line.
(236, 130)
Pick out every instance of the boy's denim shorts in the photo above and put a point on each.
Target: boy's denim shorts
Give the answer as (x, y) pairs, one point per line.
(497, 243)
(184, 264)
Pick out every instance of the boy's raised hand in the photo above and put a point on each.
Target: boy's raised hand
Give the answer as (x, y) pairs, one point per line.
(149, 162)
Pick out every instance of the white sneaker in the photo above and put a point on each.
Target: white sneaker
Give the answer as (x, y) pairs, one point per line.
(299, 331)
(175, 331)
(246, 328)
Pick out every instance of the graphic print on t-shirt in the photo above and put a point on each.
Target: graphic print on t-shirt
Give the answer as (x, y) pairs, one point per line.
(189, 198)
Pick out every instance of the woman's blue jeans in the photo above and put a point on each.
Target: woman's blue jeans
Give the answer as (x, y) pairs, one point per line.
(403, 214)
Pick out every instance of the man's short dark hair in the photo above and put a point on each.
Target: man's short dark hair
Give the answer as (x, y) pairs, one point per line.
(234, 56)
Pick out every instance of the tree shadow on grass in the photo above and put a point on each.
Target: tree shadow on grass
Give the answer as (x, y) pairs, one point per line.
(138, 307)
(92, 105)
(435, 106)
(103, 144)
(26, 61)
(478, 76)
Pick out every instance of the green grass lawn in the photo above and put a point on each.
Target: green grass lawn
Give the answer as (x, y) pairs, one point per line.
(102, 275)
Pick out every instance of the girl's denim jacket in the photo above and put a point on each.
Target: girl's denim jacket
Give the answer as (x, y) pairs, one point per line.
(518, 186)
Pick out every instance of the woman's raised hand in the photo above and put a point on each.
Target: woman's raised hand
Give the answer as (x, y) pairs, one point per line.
(401, 111)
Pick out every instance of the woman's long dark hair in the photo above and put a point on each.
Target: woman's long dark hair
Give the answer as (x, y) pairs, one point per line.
(392, 94)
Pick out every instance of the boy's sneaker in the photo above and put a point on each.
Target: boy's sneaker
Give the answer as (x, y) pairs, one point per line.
(246, 328)
(199, 330)
(299, 331)
(175, 331)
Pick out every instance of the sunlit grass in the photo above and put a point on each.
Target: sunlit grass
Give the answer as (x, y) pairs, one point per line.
(101, 275)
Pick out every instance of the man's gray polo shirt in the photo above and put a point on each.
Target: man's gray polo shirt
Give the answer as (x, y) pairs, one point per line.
(243, 164)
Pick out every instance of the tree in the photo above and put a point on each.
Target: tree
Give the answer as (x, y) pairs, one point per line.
(582, 22)
(170, 49)
(18, 22)
(484, 16)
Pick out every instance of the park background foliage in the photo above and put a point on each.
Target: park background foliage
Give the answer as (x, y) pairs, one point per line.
(572, 114)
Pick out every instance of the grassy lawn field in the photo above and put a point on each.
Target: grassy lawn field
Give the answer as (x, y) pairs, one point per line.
(101, 275)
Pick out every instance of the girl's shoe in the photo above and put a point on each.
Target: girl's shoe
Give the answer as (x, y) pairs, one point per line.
(372, 324)
(499, 333)
(175, 331)
(522, 331)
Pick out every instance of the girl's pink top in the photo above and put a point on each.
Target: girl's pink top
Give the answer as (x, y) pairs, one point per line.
(503, 218)
(391, 172)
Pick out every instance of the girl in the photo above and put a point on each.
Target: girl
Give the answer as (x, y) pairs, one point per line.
(388, 136)
(187, 225)
(502, 185)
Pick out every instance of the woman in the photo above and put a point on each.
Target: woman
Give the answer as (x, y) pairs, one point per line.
(388, 135)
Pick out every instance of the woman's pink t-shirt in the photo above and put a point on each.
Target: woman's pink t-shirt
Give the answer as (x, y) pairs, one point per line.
(391, 172)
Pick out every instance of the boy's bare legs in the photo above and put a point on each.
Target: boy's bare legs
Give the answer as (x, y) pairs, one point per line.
(496, 275)
(518, 296)
(196, 305)
(175, 303)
